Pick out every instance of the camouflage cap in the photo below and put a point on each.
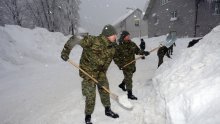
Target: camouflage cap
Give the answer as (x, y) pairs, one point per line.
(108, 30)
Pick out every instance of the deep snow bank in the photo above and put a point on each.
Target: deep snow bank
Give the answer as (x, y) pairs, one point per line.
(22, 46)
(36, 86)
(189, 86)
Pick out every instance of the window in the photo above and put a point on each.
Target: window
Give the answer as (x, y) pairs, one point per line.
(137, 22)
(173, 16)
(156, 20)
(217, 7)
(164, 2)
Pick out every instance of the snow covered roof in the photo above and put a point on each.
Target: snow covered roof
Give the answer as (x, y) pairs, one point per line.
(146, 5)
(122, 18)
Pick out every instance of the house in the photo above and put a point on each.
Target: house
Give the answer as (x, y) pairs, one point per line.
(193, 18)
(132, 22)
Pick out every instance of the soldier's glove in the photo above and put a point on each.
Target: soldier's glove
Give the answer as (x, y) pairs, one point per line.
(64, 57)
(65, 52)
(146, 53)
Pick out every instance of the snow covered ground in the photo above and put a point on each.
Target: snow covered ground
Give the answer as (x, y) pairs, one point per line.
(37, 87)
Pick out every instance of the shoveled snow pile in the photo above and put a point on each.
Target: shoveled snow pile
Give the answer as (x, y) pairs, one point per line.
(189, 85)
(22, 46)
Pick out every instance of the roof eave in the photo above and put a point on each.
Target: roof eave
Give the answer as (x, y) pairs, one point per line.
(148, 10)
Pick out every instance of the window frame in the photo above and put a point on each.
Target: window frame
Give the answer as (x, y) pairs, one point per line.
(174, 14)
(137, 22)
(156, 20)
(163, 2)
(216, 7)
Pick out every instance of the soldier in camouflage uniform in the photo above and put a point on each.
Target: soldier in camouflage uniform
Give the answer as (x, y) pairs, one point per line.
(125, 53)
(98, 52)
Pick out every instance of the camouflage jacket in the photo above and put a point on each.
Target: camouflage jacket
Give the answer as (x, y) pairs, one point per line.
(69, 45)
(125, 53)
(97, 55)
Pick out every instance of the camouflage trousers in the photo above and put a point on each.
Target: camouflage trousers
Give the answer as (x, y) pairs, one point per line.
(89, 91)
(128, 79)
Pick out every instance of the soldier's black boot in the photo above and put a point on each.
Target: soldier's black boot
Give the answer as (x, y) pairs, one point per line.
(88, 119)
(122, 86)
(131, 96)
(110, 113)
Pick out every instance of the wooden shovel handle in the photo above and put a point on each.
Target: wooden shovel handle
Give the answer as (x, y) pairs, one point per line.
(74, 64)
(141, 56)
(155, 49)
(113, 96)
(133, 61)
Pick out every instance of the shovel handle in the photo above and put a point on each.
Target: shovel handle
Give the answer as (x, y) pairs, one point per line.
(113, 96)
(141, 56)
(133, 61)
(74, 64)
(155, 49)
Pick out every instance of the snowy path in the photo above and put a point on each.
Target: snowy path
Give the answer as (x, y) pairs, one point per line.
(40, 88)
(36, 86)
(49, 91)
(52, 94)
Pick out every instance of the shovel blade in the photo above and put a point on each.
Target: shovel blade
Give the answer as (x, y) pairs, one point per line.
(123, 101)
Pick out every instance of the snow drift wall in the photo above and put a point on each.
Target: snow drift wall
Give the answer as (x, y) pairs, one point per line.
(22, 46)
(189, 86)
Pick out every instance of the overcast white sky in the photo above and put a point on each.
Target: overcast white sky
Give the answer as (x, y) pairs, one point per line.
(94, 14)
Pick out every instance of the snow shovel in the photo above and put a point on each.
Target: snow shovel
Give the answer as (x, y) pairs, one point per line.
(121, 101)
(170, 39)
(141, 56)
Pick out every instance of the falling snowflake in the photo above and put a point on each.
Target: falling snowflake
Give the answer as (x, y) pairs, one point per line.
(173, 18)
(154, 14)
